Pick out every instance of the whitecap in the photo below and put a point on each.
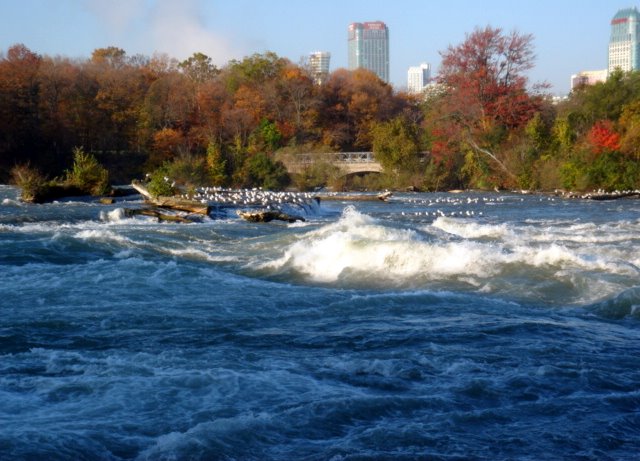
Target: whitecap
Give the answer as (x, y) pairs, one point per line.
(361, 251)
(11, 202)
(358, 246)
(115, 215)
(471, 229)
(101, 235)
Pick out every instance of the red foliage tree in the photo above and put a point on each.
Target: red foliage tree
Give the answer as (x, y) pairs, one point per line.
(485, 80)
(483, 94)
(603, 138)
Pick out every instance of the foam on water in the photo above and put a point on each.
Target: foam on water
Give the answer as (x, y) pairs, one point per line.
(359, 250)
(201, 254)
(116, 215)
(102, 235)
(11, 202)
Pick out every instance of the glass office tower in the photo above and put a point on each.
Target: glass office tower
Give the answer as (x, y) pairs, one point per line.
(369, 47)
(624, 43)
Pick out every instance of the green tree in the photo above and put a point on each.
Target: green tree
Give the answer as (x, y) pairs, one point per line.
(261, 171)
(396, 145)
(564, 134)
(538, 132)
(160, 183)
(87, 174)
(217, 164)
(268, 135)
(254, 70)
(199, 68)
(605, 100)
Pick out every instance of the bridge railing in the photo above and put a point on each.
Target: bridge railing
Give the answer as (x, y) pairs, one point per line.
(344, 157)
(337, 157)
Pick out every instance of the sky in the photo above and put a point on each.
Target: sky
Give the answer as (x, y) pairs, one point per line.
(569, 35)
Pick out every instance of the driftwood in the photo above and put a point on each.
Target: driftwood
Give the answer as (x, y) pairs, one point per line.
(268, 215)
(161, 217)
(173, 203)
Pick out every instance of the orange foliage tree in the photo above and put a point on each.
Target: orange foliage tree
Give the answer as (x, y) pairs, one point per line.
(603, 138)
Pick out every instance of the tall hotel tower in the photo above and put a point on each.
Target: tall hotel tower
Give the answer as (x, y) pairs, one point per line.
(369, 47)
(624, 44)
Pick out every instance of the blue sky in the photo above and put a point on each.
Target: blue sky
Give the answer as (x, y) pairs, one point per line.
(569, 35)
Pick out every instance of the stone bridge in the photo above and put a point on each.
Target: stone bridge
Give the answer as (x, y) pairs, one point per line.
(348, 162)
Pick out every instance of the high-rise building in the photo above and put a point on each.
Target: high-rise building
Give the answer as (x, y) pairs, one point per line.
(624, 43)
(319, 64)
(369, 47)
(418, 78)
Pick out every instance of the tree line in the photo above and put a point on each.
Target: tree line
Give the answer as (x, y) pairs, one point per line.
(483, 125)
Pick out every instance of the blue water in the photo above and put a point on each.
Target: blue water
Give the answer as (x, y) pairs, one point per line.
(510, 330)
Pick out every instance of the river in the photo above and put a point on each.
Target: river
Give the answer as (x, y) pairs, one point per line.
(473, 326)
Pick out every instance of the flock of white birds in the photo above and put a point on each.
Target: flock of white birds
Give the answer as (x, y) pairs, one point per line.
(250, 197)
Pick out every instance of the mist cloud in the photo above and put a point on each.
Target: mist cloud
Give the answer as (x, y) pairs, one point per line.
(178, 29)
(175, 27)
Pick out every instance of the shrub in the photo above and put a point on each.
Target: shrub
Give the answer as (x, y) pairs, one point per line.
(87, 175)
(30, 180)
(188, 170)
(160, 184)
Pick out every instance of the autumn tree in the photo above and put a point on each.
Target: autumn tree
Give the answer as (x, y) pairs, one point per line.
(352, 103)
(168, 143)
(485, 92)
(68, 116)
(211, 99)
(121, 88)
(19, 101)
(299, 103)
(168, 102)
(111, 56)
